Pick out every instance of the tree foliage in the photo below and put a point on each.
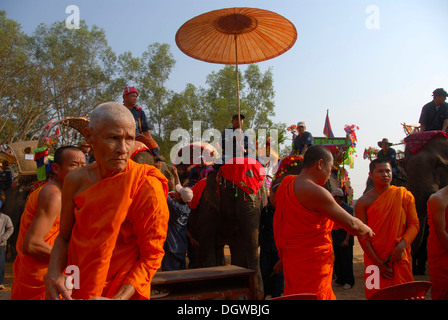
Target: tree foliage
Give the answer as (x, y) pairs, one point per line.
(57, 72)
(65, 73)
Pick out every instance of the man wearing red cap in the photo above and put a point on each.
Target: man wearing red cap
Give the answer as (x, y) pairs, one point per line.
(142, 128)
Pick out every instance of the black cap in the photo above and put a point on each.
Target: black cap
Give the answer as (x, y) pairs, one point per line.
(236, 116)
(439, 92)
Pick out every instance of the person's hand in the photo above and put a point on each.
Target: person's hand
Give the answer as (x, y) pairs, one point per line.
(55, 287)
(278, 267)
(397, 252)
(366, 234)
(386, 270)
(344, 243)
(194, 242)
(174, 169)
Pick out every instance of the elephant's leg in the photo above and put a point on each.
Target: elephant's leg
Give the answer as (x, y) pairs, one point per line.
(206, 254)
(245, 250)
(206, 234)
(244, 242)
(245, 219)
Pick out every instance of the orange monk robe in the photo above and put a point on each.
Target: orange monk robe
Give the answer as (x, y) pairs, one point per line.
(28, 283)
(437, 262)
(120, 228)
(303, 239)
(392, 217)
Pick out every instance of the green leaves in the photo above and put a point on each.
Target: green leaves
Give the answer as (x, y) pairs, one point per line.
(65, 73)
(58, 72)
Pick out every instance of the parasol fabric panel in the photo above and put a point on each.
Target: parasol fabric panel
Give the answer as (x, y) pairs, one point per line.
(261, 35)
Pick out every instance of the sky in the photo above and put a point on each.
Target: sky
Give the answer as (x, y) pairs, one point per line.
(372, 63)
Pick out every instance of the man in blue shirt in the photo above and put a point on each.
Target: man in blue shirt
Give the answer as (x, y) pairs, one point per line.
(142, 127)
(434, 115)
(176, 239)
(235, 138)
(303, 141)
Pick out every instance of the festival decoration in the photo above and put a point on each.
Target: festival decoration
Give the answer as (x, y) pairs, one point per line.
(350, 131)
(350, 153)
(286, 163)
(292, 128)
(369, 153)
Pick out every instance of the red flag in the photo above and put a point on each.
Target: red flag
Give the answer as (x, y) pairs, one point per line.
(328, 132)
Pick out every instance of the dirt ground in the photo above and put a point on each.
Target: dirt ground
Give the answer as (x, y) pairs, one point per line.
(355, 293)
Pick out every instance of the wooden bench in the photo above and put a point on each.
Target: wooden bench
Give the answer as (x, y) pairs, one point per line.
(225, 282)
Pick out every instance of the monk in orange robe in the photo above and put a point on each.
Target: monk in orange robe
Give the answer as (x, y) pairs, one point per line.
(303, 221)
(114, 217)
(39, 226)
(390, 212)
(437, 245)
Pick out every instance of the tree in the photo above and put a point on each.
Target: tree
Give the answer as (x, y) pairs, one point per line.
(256, 96)
(13, 68)
(259, 96)
(67, 73)
(214, 106)
(157, 63)
(221, 97)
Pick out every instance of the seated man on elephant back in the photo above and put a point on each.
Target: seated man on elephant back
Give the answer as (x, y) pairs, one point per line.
(434, 114)
(235, 142)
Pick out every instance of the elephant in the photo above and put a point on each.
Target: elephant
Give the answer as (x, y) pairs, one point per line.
(226, 215)
(426, 165)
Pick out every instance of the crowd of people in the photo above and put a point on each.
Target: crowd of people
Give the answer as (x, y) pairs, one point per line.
(117, 222)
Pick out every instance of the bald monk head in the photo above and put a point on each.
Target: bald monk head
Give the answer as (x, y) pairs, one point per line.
(318, 162)
(111, 133)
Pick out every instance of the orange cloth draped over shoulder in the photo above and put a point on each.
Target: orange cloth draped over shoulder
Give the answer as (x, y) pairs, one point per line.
(303, 239)
(28, 283)
(120, 228)
(392, 217)
(437, 262)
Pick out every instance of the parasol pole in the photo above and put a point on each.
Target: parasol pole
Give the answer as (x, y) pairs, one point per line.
(237, 79)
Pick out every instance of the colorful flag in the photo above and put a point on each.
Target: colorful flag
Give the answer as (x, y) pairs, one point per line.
(328, 132)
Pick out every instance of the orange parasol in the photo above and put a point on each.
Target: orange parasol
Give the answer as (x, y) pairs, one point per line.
(236, 36)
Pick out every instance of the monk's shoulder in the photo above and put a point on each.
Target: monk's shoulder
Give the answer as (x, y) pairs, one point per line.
(152, 178)
(50, 192)
(366, 199)
(310, 193)
(305, 185)
(79, 178)
(439, 198)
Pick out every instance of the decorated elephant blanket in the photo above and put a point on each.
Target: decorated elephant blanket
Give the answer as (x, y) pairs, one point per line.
(198, 189)
(417, 141)
(247, 174)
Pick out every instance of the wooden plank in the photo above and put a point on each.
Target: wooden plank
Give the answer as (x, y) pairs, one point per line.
(199, 274)
(206, 283)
